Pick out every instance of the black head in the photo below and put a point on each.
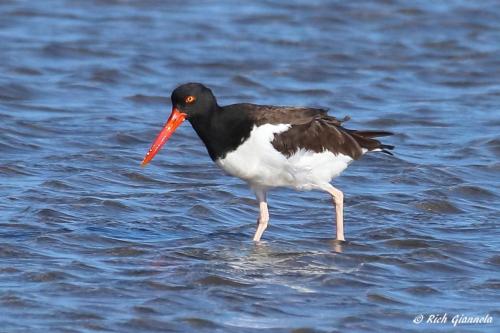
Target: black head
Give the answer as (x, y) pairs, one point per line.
(193, 99)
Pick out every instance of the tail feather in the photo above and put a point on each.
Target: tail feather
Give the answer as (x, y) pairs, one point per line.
(366, 140)
(373, 134)
(386, 148)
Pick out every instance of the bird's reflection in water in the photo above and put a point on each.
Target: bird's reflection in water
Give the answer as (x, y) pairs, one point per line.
(337, 246)
(266, 248)
(263, 251)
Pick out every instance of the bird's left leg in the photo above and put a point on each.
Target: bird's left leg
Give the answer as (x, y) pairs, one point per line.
(264, 214)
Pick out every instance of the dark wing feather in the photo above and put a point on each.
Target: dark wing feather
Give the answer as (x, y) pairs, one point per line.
(324, 133)
(365, 139)
(319, 134)
(269, 114)
(313, 129)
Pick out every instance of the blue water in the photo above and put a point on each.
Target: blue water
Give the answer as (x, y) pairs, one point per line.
(91, 242)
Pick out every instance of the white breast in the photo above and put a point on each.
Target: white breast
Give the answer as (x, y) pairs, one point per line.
(261, 165)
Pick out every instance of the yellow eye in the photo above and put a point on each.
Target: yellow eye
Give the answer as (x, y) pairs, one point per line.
(190, 99)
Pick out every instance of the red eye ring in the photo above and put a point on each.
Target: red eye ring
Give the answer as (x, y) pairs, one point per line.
(190, 99)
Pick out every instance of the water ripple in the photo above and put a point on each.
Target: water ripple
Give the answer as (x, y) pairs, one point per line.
(90, 241)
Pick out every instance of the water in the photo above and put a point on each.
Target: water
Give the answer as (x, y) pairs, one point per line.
(91, 242)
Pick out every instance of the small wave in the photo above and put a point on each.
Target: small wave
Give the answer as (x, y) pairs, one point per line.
(438, 206)
(49, 276)
(49, 214)
(15, 92)
(72, 50)
(14, 169)
(215, 280)
(57, 184)
(128, 139)
(145, 99)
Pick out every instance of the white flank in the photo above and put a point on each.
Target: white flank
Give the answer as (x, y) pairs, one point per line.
(260, 164)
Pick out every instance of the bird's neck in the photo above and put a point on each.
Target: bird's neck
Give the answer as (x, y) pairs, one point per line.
(202, 124)
(221, 130)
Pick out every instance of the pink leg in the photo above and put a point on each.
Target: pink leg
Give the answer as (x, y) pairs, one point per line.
(338, 201)
(263, 219)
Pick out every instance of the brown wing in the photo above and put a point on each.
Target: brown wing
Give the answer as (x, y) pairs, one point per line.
(269, 114)
(322, 133)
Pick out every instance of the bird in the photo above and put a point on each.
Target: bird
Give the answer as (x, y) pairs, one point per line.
(267, 146)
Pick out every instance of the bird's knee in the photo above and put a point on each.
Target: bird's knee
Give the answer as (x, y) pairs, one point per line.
(338, 197)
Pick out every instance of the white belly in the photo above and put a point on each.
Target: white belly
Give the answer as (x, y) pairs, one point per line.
(261, 165)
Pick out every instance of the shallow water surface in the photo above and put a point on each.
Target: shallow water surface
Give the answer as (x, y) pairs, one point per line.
(91, 242)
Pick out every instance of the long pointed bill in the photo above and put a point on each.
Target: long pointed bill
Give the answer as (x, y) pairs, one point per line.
(176, 118)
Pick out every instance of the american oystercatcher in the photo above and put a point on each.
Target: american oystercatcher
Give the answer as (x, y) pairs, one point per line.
(270, 146)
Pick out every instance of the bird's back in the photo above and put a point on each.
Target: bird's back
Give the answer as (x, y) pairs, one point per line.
(314, 130)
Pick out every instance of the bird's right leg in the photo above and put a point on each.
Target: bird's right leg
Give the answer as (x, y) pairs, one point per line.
(263, 219)
(338, 202)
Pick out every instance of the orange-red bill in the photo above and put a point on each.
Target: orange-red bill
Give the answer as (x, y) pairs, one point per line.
(176, 118)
